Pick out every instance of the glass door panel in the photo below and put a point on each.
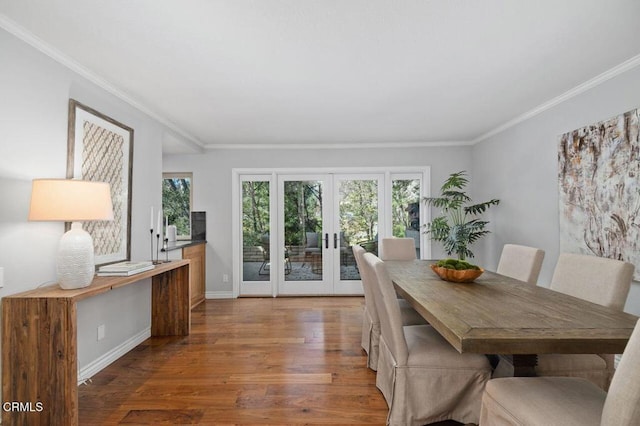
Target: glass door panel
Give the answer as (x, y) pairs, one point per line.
(303, 206)
(405, 209)
(358, 200)
(256, 215)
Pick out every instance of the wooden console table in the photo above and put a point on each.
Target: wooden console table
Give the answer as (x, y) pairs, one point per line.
(39, 340)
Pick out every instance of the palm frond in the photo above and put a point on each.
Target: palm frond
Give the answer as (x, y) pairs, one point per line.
(481, 207)
(439, 202)
(455, 180)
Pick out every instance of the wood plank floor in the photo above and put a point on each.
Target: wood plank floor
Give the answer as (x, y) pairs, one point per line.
(247, 361)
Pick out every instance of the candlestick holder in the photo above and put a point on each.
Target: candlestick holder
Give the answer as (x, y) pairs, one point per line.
(166, 249)
(151, 241)
(157, 261)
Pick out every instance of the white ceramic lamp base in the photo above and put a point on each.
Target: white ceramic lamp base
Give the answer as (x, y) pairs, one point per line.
(75, 262)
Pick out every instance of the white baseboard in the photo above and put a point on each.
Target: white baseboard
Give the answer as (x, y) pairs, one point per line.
(94, 367)
(219, 295)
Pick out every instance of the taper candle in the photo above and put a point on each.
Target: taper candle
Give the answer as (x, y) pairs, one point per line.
(159, 230)
(151, 221)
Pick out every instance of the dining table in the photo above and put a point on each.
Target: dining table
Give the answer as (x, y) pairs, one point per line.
(500, 315)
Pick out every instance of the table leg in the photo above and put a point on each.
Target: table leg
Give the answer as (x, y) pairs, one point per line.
(171, 303)
(524, 365)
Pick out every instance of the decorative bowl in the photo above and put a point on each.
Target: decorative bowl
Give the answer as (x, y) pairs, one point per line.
(457, 275)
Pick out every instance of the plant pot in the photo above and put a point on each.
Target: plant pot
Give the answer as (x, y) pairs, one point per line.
(457, 275)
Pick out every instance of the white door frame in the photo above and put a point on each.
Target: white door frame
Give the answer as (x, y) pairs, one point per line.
(271, 174)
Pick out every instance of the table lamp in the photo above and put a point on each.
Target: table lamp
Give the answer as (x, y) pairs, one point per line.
(74, 201)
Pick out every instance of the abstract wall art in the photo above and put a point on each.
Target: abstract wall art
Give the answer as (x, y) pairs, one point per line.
(101, 149)
(599, 189)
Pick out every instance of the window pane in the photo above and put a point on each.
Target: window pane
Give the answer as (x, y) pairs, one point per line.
(405, 204)
(176, 203)
(303, 230)
(256, 258)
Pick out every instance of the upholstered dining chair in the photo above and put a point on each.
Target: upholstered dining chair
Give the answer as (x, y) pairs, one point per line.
(422, 377)
(370, 320)
(567, 400)
(598, 280)
(521, 262)
(398, 249)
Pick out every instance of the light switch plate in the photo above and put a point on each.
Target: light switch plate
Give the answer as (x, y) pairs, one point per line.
(1, 276)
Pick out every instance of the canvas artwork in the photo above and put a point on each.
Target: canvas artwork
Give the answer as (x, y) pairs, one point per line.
(599, 182)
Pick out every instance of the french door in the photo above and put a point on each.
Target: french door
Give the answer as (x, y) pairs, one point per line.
(320, 218)
(298, 229)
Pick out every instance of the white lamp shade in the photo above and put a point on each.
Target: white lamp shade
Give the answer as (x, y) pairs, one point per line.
(72, 201)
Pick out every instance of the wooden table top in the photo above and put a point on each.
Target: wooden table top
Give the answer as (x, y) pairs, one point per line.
(99, 284)
(500, 315)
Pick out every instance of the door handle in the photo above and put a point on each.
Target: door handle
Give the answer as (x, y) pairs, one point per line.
(326, 240)
(335, 240)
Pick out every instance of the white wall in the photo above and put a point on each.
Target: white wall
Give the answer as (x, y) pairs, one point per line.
(520, 167)
(34, 95)
(212, 174)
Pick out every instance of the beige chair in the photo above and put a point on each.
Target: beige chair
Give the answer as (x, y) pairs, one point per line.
(370, 320)
(566, 400)
(422, 377)
(398, 249)
(598, 280)
(521, 262)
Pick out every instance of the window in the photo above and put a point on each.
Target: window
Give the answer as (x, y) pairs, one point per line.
(405, 208)
(176, 201)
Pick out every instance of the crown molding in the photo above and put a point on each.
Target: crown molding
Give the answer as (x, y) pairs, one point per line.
(26, 36)
(346, 145)
(589, 84)
(39, 44)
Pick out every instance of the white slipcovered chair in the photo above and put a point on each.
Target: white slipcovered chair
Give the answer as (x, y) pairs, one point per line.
(422, 377)
(598, 280)
(398, 249)
(521, 262)
(567, 401)
(370, 320)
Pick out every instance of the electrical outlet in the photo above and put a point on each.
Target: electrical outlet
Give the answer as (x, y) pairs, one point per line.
(101, 332)
(225, 278)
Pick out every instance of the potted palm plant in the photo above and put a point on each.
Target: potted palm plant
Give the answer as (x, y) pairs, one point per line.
(458, 225)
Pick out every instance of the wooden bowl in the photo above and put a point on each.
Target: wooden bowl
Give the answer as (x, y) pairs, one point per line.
(457, 276)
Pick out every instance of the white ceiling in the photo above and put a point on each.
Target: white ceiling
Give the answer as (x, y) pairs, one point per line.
(244, 73)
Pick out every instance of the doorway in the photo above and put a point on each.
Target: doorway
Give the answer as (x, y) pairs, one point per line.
(298, 229)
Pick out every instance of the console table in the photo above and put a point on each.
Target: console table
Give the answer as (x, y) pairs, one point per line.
(39, 340)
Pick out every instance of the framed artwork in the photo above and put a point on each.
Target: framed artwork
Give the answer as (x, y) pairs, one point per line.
(599, 185)
(101, 149)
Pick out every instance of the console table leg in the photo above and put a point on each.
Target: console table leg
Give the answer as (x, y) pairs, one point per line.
(39, 361)
(171, 303)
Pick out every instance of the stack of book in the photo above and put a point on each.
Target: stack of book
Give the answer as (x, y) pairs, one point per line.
(124, 269)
